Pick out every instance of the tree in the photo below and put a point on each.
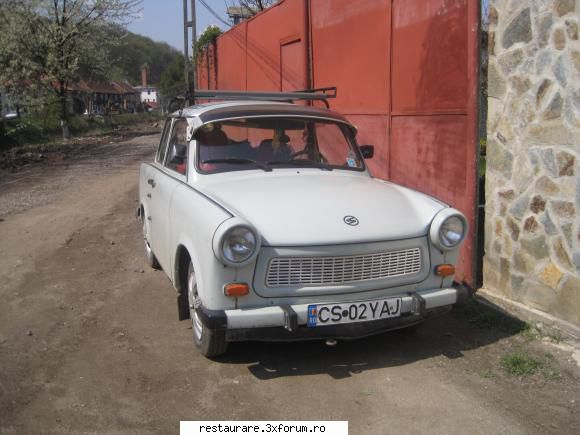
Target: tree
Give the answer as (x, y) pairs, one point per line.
(252, 6)
(207, 38)
(172, 81)
(49, 44)
(256, 5)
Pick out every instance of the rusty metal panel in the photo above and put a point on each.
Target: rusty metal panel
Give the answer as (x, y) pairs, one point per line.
(429, 55)
(282, 24)
(231, 50)
(350, 49)
(373, 130)
(429, 154)
(292, 66)
(211, 64)
(434, 109)
(406, 72)
(202, 71)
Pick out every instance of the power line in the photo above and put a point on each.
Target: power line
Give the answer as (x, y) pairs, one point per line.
(214, 13)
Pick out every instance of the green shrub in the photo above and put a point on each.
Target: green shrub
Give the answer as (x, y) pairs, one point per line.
(520, 364)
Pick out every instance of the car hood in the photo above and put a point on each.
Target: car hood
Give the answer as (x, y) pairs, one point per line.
(308, 207)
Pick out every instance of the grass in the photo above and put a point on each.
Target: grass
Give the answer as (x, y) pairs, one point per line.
(487, 374)
(521, 364)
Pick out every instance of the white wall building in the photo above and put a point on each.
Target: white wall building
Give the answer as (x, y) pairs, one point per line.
(148, 94)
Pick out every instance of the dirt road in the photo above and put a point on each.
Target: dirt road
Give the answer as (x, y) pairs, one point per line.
(90, 342)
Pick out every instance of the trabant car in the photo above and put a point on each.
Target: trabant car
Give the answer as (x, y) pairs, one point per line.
(268, 222)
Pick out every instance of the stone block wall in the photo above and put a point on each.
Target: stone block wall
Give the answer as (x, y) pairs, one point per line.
(532, 227)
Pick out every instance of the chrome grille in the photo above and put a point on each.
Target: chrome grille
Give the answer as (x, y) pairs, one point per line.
(315, 271)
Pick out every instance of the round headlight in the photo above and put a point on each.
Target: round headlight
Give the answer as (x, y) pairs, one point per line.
(239, 244)
(451, 232)
(236, 242)
(448, 229)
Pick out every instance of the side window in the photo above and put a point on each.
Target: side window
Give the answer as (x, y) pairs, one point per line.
(160, 157)
(177, 152)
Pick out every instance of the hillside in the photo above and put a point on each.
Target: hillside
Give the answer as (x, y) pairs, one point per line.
(135, 50)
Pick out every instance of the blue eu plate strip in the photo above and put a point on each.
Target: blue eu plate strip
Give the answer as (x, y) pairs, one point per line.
(312, 316)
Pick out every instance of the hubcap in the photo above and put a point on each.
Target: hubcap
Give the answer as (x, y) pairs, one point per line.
(191, 293)
(148, 251)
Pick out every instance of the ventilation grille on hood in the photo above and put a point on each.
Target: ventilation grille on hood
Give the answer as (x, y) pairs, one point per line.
(321, 271)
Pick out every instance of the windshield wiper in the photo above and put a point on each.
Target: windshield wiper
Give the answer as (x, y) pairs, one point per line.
(300, 162)
(260, 165)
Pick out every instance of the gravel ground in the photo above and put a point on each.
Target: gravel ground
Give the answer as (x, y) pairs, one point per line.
(90, 341)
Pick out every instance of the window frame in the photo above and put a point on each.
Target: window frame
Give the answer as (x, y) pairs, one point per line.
(350, 138)
(165, 166)
(164, 139)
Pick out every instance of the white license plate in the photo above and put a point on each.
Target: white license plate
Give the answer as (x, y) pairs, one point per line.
(350, 312)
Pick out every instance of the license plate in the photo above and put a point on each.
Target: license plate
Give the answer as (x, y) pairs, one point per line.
(335, 314)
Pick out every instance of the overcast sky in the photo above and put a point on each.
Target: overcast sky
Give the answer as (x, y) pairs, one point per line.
(162, 20)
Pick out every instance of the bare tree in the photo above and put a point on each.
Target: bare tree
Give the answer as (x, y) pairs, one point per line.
(253, 6)
(257, 5)
(51, 43)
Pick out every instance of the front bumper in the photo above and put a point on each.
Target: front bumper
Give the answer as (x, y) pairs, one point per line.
(289, 321)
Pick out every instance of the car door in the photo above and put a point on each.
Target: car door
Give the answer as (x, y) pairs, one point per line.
(171, 171)
(148, 179)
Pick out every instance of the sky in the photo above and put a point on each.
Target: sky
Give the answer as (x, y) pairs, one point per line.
(162, 20)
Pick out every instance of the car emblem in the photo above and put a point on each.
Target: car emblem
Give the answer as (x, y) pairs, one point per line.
(351, 220)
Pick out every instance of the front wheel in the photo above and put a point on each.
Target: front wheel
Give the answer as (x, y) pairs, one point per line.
(209, 342)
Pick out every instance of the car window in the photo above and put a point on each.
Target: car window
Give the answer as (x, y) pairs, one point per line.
(268, 142)
(160, 157)
(177, 147)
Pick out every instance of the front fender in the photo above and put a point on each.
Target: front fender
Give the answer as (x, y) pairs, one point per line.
(193, 222)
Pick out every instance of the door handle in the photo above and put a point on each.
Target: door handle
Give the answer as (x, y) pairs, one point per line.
(151, 182)
(149, 195)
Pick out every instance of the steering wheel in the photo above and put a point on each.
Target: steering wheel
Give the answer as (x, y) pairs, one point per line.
(298, 153)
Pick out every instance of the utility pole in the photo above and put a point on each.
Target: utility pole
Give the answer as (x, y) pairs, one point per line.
(190, 85)
(186, 44)
(193, 49)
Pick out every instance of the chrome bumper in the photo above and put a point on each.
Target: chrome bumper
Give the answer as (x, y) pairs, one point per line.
(291, 316)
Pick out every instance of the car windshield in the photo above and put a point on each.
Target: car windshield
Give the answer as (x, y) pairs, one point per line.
(275, 142)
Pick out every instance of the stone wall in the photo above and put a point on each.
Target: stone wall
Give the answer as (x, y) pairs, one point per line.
(532, 228)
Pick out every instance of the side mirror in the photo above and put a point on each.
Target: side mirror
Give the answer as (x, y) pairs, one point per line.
(367, 151)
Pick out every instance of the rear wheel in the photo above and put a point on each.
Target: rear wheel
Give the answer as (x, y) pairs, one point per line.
(209, 342)
(149, 255)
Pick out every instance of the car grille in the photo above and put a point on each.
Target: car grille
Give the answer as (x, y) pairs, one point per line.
(317, 271)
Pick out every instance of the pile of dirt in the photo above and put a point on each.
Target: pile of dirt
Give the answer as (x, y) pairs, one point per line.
(61, 150)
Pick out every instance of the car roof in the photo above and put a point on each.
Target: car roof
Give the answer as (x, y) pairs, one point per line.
(222, 110)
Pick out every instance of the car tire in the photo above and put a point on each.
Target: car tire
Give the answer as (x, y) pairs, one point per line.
(210, 343)
(149, 255)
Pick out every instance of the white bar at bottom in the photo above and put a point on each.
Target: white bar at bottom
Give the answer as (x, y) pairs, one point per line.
(263, 427)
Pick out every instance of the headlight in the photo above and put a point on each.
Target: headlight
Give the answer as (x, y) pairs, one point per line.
(236, 243)
(448, 229)
(451, 232)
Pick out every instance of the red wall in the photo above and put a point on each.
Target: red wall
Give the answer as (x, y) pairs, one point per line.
(406, 73)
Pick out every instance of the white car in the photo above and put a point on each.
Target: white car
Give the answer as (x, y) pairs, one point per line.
(270, 226)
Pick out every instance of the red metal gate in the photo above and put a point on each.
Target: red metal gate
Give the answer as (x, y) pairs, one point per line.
(406, 73)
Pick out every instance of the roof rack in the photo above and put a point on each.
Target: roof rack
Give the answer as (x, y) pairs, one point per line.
(318, 94)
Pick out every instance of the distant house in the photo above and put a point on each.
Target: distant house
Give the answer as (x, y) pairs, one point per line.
(148, 94)
(89, 97)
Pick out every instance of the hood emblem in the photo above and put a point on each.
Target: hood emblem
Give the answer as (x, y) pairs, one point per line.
(350, 220)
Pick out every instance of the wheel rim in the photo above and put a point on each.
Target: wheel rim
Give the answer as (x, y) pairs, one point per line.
(192, 295)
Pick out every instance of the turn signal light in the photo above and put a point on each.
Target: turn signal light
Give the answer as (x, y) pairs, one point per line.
(445, 270)
(236, 289)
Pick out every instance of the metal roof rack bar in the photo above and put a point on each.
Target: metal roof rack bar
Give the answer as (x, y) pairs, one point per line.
(319, 94)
